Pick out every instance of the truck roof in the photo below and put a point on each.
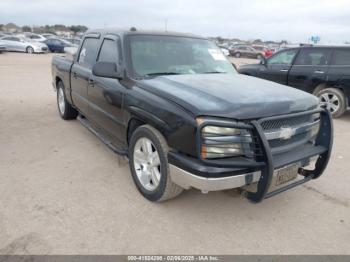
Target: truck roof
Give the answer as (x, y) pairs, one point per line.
(140, 32)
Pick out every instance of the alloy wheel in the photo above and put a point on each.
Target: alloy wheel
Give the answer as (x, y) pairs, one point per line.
(330, 101)
(61, 102)
(147, 164)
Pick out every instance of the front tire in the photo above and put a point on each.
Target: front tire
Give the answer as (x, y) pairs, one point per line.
(65, 109)
(30, 50)
(259, 56)
(148, 160)
(334, 100)
(237, 55)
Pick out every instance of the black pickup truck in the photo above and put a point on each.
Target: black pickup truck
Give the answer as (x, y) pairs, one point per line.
(321, 70)
(177, 108)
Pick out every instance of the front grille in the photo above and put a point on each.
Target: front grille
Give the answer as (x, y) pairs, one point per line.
(273, 125)
(279, 143)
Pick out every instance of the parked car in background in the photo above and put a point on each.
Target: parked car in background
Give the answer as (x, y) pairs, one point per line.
(48, 35)
(74, 41)
(176, 107)
(35, 37)
(22, 44)
(2, 47)
(321, 70)
(57, 45)
(246, 51)
(267, 51)
(225, 50)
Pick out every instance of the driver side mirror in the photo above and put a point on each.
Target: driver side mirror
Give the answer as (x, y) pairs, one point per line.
(106, 69)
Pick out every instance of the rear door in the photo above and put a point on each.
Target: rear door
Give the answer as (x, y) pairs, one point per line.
(106, 94)
(339, 70)
(12, 43)
(277, 66)
(81, 72)
(310, 68)
(251, 52)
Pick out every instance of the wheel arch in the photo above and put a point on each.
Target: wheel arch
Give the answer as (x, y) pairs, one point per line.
(57, 80)
(324, 85)
(133, 124)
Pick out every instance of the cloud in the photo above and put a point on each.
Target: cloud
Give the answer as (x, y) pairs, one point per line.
(269, 20)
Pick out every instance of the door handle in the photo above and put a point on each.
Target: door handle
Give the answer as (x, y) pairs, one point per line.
(75, 75)
(91, 83)
(284, 70)
(319, 72)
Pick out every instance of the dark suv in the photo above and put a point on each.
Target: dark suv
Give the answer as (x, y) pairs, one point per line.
(322, 70)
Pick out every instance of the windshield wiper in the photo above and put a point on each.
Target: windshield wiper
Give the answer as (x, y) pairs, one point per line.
(162, 73)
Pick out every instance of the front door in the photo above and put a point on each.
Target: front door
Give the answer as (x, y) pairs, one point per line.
(277, 66)
(106, 94)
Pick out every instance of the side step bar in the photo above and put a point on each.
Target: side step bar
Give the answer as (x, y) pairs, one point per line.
(103, 138)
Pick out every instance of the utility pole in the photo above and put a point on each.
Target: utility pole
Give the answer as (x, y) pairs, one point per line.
(166, 24)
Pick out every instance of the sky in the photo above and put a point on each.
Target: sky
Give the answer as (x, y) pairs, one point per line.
(293, 20)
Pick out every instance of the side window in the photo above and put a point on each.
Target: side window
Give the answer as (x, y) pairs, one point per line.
(109, 51)
(283, 58)
(88, 52)
(341, 57)
(312, 57)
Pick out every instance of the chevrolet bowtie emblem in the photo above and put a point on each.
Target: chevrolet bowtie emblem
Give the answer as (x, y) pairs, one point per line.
(286, 133)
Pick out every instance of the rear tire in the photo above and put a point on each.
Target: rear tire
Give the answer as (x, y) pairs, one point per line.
(259, 56)
(147, 142)
(334, 100)
(65, 109)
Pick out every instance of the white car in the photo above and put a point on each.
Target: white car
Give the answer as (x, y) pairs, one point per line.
(225, 51)
(2, 47)
(22, 44)
(35, 37)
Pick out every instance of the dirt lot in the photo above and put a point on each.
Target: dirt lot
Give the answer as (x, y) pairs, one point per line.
(63, 192)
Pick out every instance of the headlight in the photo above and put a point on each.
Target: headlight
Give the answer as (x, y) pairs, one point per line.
(216, 130)
(223, 142)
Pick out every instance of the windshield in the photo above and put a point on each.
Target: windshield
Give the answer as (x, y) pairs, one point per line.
(165, 55)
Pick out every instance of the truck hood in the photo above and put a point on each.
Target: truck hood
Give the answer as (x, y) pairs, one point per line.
(230, 95)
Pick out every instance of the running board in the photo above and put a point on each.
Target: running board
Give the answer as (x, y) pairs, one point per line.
(103, 138)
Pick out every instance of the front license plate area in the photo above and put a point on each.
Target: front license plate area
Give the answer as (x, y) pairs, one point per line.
(286, 174)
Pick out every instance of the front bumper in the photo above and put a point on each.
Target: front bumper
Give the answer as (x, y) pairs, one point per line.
(207, 176)
(40, 49)
(188, 180)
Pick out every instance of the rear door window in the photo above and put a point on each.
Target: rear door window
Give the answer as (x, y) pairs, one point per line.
(88, 52)
(314, 57)
(341, 57)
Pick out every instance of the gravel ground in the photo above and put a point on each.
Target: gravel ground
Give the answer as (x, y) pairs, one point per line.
(63, 192)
